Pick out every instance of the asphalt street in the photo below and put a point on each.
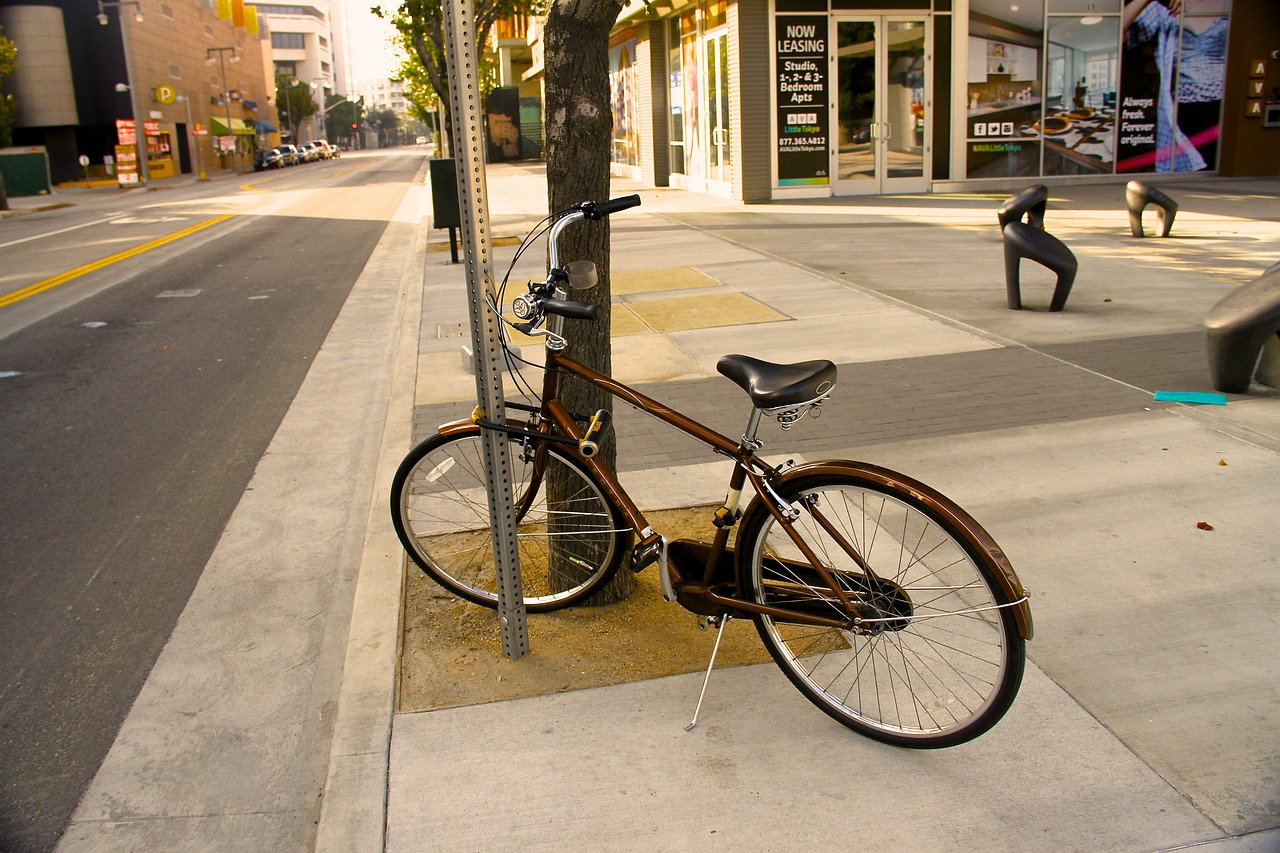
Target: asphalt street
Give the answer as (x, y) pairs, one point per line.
(134, 418)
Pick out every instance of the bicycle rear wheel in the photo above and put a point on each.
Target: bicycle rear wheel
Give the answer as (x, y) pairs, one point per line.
(937, 658)
(568, 547)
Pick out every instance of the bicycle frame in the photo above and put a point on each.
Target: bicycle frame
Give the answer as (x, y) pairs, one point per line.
(716, 591)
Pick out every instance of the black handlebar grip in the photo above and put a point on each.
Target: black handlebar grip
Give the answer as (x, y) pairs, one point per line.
(614, 205)
(574, 310)
(595, 210)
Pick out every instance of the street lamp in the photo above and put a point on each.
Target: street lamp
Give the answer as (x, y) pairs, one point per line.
(324, 112)
(139, 127)
(221, 59)
(319, 84)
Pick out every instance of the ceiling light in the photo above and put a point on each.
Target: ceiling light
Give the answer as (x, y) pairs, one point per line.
(1090, 20)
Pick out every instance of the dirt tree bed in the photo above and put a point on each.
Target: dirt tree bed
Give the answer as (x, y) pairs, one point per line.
(451, 650)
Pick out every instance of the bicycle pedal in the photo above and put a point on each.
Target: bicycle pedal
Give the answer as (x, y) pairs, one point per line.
(647, 552)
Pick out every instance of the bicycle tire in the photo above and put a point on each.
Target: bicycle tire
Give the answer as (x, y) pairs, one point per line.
(440, 510)
(947, 660)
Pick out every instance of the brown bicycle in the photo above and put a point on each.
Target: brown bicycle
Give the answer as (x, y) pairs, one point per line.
(883, 601)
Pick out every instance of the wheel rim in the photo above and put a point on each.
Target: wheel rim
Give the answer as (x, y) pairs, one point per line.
(445, 515)
(935, 663)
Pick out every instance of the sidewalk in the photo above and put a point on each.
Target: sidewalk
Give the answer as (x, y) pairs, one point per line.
(1148, 718)
(95, 191)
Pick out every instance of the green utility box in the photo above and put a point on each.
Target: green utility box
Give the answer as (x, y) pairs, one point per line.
(25, 171)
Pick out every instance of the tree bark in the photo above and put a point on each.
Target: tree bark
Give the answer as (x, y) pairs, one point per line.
(578, 136)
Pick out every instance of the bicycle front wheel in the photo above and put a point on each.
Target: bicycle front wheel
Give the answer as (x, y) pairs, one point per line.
(569, 544)
(936, 658)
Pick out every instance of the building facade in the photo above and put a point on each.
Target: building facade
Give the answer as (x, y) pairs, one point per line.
(303, 51)
(770, 100)
(193, 73)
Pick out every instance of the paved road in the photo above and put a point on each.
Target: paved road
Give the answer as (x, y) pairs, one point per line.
(135, 420)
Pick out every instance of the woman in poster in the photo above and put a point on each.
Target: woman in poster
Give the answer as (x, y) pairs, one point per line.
(1186, 133)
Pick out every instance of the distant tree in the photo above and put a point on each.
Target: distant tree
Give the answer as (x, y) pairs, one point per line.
(387, 124)
(339, 115)
(293, 103)
(420, 26)
(8, 104)
(423, 102)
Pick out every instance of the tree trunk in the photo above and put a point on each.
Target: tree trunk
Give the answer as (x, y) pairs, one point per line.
(578, 136)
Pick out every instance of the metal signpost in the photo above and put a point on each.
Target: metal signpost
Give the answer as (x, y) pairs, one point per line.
(468, 142)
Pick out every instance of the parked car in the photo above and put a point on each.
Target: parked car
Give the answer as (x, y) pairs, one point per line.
(321, 148)
(267, 158)
(334, 151)
(290, 153)
(421, 140)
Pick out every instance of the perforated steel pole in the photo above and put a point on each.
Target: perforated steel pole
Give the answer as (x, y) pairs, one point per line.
(473, 205)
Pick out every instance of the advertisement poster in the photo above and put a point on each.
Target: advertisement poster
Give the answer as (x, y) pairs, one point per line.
(126, 165)
(803, 116)
(127, 131)
(1171, 78)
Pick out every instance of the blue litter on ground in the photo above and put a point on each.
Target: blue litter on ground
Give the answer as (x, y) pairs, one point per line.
(1191, 397)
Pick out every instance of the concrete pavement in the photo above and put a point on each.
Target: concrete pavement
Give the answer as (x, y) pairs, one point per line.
(1149, 718)
(1149, 714)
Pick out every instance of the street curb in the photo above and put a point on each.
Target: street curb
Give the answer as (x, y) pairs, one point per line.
(353, 811)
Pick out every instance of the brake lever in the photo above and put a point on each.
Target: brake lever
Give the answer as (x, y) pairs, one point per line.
(553, 340)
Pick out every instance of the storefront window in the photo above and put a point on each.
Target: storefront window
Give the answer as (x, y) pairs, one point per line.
(716, 14)
(1006, 92)
(675, 96)
(622, 86)
(1171, 74)
(1094, 86)
(1079, 125)
(689, 64)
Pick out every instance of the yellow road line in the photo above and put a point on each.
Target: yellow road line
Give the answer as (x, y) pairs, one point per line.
(62, 278)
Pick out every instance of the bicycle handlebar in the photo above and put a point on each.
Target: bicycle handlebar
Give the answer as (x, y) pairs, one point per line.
(596, 210)
(568, 308)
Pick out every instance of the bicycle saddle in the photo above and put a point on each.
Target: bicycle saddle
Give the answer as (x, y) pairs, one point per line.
(776, 386)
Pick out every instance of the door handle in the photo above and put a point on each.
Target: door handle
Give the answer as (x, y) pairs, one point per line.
(888, 130)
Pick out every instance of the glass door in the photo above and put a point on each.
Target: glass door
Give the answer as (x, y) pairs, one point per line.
(880, 117)
(716, 107)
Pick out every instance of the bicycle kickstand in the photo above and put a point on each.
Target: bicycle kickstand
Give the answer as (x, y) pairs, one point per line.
(722, 621)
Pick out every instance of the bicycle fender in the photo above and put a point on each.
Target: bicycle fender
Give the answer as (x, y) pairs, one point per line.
(469, 425)
(975, 535)
(454, 427)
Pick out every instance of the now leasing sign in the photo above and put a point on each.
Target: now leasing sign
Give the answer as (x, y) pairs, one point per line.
(803, 99)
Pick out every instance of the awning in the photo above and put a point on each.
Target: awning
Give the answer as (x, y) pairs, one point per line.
(264, 127)
(218, 126)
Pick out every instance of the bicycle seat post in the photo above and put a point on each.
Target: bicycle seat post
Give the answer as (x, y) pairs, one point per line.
(749, 440)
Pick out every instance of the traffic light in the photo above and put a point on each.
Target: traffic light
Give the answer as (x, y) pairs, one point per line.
(355, 126)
